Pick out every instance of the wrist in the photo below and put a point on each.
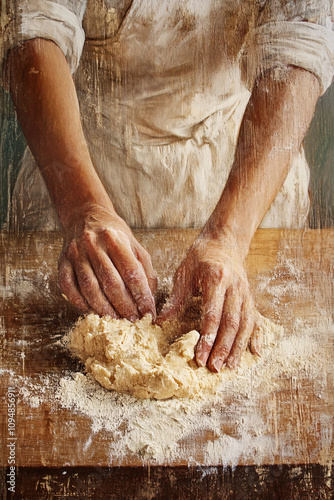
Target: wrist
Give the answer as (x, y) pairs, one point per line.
(236, 242)
(86, 212)
(81, 194)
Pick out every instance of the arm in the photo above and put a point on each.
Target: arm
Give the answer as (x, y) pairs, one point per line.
(275, 122)
(102, 266)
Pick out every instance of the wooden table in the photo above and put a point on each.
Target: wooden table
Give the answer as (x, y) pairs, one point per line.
(33, 315)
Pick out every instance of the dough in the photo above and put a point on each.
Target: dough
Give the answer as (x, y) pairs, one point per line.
(145, 360)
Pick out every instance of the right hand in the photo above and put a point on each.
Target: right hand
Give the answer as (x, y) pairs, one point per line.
(215, 267)
(103, 268)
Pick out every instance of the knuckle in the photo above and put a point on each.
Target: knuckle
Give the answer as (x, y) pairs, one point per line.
(88, 238)
(108, 284)
(104, 231)
(85, 281)
(109, 238)
(72, 252)
(231, 321)
(238, 284)
(114, 238)
(108, 280)
(207, 341)
(223, 351)
(132, 277)
(211, 316)
(218, 275)
(215, 274)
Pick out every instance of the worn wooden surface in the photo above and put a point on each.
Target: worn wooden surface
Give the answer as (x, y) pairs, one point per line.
(34, 312)
(287, 482)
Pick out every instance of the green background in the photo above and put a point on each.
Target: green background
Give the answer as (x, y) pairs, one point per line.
(319, 148)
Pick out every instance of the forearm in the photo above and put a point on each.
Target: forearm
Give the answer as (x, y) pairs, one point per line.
(102, 266)
(275, 122)
(45, 100)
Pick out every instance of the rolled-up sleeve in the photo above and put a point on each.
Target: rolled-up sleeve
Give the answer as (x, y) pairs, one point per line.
(289, 33)
(59, 21)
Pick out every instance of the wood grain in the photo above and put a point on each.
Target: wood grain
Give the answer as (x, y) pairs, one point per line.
(34, 314)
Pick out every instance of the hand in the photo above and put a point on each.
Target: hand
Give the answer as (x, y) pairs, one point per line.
(103, 267)
(213, 267)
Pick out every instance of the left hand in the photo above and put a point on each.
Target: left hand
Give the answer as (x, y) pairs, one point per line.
(213, 267)
(103, 268)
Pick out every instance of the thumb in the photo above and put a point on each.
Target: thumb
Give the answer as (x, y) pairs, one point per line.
(176, 300)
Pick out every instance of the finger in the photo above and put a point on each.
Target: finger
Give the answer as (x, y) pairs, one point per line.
(134, 277)
(68, 284)
(213, 300)
(145, 259)
(256, 340)
(90, 289)
(136, 281)
(112, 285)
(228, 330)
(241, 341)
(178, 298)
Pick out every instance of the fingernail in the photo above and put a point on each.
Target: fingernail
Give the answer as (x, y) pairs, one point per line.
(200, 361)
(133, 319)
(201, 355)
(153, 316)
(217, 365)
(256, 350)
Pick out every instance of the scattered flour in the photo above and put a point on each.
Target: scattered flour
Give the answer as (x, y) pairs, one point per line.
(240, 420)
(166, 431)
(24, 283)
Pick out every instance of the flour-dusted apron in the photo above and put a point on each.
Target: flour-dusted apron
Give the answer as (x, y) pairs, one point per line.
(162, 100)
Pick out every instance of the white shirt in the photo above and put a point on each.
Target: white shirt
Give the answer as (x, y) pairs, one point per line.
(163, 86)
